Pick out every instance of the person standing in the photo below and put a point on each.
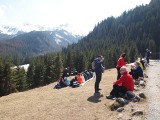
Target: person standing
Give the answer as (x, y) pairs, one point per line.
(121, 62)
(147, 54)
(99, 68)
(65, 73)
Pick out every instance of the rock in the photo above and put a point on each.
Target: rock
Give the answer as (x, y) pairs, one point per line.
(120, 109)
(142, 83)
(145, 75)
(139, 112)
(136, 89)
(129, 95)
(132, 109)
(122, 101)
(137, 85)
(136, 99)
(115, 105)
(119, 117)
(142, 95)
(136, 82)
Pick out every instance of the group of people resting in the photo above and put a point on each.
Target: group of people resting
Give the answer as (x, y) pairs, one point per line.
(124, 83)
(79, 79)
(125, 80)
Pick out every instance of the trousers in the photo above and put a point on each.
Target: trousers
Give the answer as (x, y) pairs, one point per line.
(97, 82)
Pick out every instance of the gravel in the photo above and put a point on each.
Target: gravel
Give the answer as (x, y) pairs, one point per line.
(153, 90)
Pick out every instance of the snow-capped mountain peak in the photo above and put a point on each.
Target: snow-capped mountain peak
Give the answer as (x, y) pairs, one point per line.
(26, 27)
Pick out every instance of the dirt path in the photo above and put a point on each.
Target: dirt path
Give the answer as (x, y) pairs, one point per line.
(153, 91)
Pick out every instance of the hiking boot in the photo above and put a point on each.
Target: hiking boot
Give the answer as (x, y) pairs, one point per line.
(110, 97)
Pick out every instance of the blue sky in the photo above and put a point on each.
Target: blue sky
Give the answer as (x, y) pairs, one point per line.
(80, 15)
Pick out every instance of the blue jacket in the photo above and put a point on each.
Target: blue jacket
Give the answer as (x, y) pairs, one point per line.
(137, 72)
(98, 66)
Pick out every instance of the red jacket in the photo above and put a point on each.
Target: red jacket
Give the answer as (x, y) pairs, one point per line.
(79, 79)
(121, 62)
(126, 80)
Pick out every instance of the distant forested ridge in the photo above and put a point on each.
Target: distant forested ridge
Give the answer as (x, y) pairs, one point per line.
(132, 32)
(35, 43)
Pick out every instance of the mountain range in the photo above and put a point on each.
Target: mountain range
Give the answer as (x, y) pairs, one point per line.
(32, 40)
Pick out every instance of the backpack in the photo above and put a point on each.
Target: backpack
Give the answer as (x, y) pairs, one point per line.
(94, 64)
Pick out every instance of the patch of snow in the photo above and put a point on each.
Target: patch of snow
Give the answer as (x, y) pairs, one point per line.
(58, 36)
(25, 66)
(58, 41)
(66, 33)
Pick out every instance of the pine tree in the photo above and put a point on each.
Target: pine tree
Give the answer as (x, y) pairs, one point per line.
(58, 66)
(2, 92)
(30, 75)
(7, 86)
(49, 71)
(20, 77)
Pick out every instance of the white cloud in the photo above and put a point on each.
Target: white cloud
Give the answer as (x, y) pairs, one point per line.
(81, 15)
(2, 15)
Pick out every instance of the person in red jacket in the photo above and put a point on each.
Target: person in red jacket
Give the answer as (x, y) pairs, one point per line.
(121, 62)
(122, 85)
(79, 78)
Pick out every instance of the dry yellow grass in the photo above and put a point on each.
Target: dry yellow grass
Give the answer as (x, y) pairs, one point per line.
(46, 103)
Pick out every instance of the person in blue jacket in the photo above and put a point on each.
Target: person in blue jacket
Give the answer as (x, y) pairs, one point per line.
(148, 54)
(136, 71)
(99, 69)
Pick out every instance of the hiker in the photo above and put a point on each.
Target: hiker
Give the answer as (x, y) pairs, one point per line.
(147, 54)
(85, 76)
(140, 63)
(60, 83)
(121, 62)
(136, 70)
(79, 78)
(74, 83)
(143, 63)
(122, 85)
(65, 73)
(91, 73)
(99, 68)
(66, 81)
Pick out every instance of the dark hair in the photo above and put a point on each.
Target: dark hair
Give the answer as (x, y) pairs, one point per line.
(123, 55)
(100, 56)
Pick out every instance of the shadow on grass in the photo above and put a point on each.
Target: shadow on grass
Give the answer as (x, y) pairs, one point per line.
(95, 98)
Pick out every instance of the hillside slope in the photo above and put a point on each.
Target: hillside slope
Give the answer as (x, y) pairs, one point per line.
(67, 103)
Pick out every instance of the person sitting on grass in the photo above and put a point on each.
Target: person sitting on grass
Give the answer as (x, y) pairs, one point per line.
(60, 83)
(74, 82)
(143, 63)
(79, 78)
(122, 85)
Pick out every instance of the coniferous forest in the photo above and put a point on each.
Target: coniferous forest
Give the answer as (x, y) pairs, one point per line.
(132, 32)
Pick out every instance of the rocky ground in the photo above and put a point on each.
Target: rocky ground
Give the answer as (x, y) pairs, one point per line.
(46, 103)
